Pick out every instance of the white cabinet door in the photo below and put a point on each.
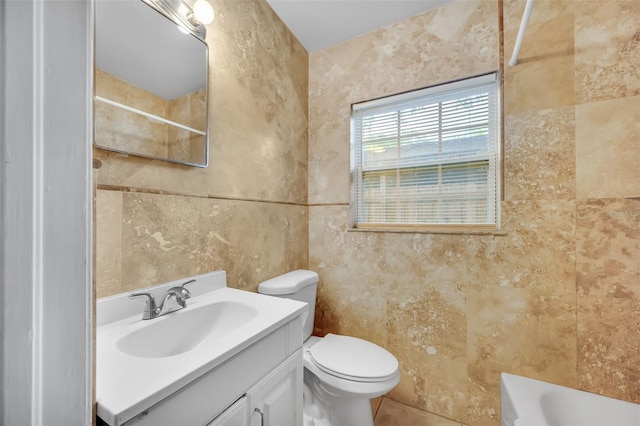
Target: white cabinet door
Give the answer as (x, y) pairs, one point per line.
(277, 399)
(236, 415)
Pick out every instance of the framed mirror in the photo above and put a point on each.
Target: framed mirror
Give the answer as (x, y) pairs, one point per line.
(150, 93)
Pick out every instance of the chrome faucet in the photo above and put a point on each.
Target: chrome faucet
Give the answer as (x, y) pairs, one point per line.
(173, 300)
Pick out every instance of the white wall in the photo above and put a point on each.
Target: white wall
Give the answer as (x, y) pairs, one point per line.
(2, 202)
(45, 213)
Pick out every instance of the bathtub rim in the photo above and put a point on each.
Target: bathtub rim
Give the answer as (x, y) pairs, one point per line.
(523, 407)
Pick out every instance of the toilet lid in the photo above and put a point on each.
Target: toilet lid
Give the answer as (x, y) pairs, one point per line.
(353, 359)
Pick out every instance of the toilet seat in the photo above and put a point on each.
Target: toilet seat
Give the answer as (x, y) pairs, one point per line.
(353, 359)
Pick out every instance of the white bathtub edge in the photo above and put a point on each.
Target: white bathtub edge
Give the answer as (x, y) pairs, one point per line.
(531, 402)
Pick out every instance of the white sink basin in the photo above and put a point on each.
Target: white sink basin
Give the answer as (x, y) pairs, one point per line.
(184, 330)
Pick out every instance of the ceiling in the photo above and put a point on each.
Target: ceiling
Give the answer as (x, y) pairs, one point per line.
(321, 23)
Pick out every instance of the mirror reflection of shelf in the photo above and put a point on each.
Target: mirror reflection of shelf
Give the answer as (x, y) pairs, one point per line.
(148, 115)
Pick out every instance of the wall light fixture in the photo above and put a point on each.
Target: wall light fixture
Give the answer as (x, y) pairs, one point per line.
(202, 13)
(189, 18)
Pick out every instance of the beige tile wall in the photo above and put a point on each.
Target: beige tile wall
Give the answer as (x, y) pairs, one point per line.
(246, 213)
(557, 296)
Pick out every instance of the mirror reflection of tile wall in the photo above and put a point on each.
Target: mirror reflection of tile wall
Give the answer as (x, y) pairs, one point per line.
(125, 131)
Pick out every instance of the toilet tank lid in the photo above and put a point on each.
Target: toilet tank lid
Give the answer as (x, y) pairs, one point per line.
(288, 283)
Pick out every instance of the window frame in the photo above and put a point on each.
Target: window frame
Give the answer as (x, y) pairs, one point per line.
(356, 163)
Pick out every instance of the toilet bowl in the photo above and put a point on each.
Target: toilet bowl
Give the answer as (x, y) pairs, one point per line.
(341, 373)
(340, 387)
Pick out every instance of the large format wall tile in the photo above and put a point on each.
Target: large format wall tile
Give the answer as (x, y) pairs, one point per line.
(608, 248)
(164, 238)
(352, 295)
(332, 246)
(355, 309)
(537, 250)
(545, 13)
(427, 328)
(540, 160)
(523, 331)
(108, 247)
(607, 49)
(608, 342)
(544, 75)
(608, 148)
(540, 85)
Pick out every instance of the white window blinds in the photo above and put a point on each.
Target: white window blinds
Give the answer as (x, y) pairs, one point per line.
(428, 157)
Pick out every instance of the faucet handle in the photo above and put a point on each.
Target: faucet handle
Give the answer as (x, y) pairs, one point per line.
(188, 282)
(186, 293)
(150, 309)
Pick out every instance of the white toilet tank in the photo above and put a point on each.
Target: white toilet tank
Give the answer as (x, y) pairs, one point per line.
(297, 285)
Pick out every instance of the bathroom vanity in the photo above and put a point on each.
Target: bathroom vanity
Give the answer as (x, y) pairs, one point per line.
(231, 357)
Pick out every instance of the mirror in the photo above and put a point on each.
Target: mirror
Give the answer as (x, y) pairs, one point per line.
(150, 94)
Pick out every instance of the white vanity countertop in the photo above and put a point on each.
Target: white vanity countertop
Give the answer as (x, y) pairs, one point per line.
(127, 385)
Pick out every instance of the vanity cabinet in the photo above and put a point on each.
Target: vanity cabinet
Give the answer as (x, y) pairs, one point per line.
(277, 399)
(274, 401)
(236, 415)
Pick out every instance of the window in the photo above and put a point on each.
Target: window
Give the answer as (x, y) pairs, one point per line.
(428, 158)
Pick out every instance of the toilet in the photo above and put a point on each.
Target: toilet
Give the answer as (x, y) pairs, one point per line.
(341, 373)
